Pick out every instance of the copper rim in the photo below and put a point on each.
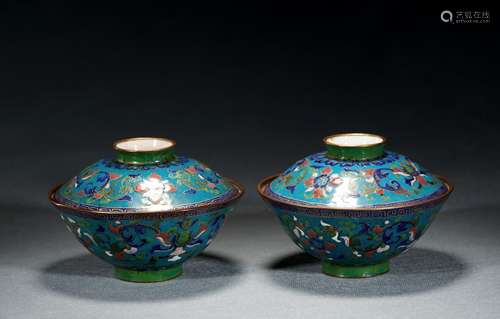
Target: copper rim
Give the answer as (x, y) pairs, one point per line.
(264, 182)
(383, 141)
(116, 148)
(202, 207)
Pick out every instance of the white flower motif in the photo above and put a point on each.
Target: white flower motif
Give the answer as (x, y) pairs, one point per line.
(155, 191)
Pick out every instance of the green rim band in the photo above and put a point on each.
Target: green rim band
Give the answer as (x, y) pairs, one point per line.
(141, 158)
(355, 271)
(148, 275)
(354, 153)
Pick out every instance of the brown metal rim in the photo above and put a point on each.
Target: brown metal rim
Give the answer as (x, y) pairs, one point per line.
(266, 181)
(383, 141)
(128, 139)
(240, 190)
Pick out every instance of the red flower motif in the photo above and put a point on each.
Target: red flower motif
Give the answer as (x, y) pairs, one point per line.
(330, 246)
(377, 229)
(401, 191)
(164, 236)
(318, 193)
(309, 181)
(311, 233)
(421, 180)
(113, 229)
(140, 188)
(154, 176)
(113, 176)
(119, 255)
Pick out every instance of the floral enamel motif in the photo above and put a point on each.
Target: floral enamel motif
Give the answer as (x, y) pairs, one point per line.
(155, 191)
(350, 183)
(146, 242)
(353, 239)
(182, 182)
(322, 183)
(147, 210)
(356, 205)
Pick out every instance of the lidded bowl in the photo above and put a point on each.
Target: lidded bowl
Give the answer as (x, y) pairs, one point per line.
(147, 210)
(356, 205)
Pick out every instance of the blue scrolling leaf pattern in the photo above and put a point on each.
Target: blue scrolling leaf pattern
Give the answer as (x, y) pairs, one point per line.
(383, 179)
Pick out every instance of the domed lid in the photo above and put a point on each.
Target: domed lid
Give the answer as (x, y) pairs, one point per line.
(147, 176)
(356, 172)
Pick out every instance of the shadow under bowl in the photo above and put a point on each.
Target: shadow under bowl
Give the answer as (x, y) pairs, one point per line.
(87, 277)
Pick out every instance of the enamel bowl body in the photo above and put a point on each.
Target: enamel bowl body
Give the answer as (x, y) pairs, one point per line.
(148, 210)
(356, 205)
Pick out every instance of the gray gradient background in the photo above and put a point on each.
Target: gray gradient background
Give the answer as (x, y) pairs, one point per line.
(248, 91)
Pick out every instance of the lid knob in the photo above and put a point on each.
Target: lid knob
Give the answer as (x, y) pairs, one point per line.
(144, 150)
(354, 146)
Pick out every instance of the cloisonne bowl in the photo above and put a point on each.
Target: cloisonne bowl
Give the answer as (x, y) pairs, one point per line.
(356, 205)
(148, 210)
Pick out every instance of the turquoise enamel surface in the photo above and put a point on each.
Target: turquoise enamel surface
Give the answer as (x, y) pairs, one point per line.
(391, 179)
(147, 216)
(145, 244)
(356, 239)
(355, 215)
(182, 182)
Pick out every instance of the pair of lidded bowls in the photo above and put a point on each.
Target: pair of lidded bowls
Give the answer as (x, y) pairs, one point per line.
(147, 211)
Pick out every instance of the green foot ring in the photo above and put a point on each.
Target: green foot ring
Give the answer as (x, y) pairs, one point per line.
(354, 271)
(148, 275)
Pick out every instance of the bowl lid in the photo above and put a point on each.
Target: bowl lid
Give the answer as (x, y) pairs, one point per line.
(146, 175)
(356, 172)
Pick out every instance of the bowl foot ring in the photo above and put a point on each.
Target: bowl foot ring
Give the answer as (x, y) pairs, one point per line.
(148, 275)
(355, 271)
